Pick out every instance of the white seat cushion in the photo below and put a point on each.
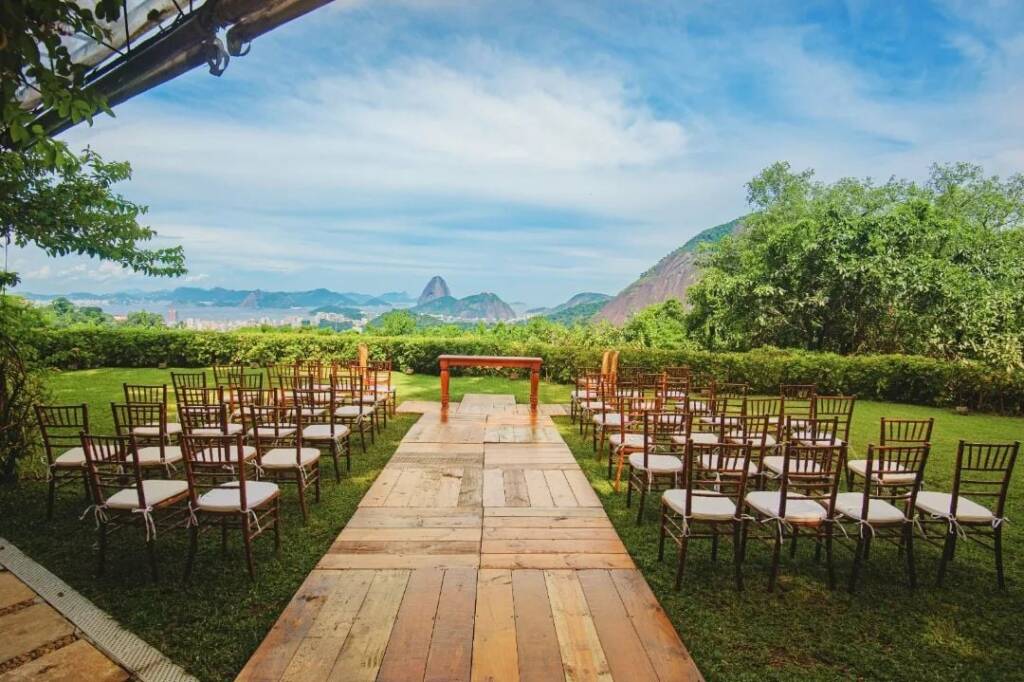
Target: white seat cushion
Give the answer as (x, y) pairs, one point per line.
(155, 490)
(967, 511)
(75, 457)
(609, 419)
(774, 464)
(592, 404)
(372, 398)
(583, 395)
(227, 497)
(353, 411)
(707, 506)
(633, 440)
(729, 421)
(753, 439)
(893, 473)
(311, 411)
(879, 511)
(284, 458)
(699, 437)
(150, 456)
(839, 442)
(730, 464)
(656, 464)
(173, 428)
(799, 510)
(267, 431)
(323, 432)
(212, 431)
(248, 452)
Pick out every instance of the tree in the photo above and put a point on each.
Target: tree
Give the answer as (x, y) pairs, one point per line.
(394, 323)
(143, 318)
(854, 267)
(662, 325)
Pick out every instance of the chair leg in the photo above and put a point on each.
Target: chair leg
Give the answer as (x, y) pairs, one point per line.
(302, 496)
(277, 526)
(224, 537)
(629, 489)
(776, 556)
(348, 453)
(362, 435)
(998, 547)
(337, 465)
(792, 543)
(661, 533)
(714, 543)
(849, 480)
(858, 557)
(683, 542)
(101, 555)
(908, 546)
(828, 557)
(316, 470)
(151, 551)
(640, 506)
(51, 496)
(737, 555)
(247, 540)
(947, 555)
(193, 546)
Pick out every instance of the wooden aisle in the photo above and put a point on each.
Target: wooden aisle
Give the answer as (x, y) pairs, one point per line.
(480, 553)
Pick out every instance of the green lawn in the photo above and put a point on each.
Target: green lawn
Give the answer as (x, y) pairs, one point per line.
(964, 631)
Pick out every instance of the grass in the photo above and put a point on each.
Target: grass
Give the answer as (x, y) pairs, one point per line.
(965, 630)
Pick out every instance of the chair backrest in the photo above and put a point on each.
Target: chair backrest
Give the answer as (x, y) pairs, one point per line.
(714, 470)
(348, 386)
(983, 473)
(682, 372)
(242, 379)
(652, 387)
(222, 374)
(799, 400)
(213, 460)
(905, 431)
(316, 404)
(145, 393)
(378, 378)
(822, 431)
(273, 423)
(106, 461)
(128, 416)
(887, 469)
(198, 395)
(631, 409)
(811, 472)
(661, 427)
(182, 380)
(61, 427)
(203, 416)
(840, 407)
(731, 390)
(769, 407)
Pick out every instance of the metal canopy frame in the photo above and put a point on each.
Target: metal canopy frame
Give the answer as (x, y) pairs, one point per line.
(164, 39)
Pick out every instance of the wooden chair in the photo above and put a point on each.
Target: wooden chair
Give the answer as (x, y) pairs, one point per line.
(798, 400)
(351, 410)
(840, 407)
(584, 389)
(123, 497)
(60, 427)
(656, 464)
(317, 408)
(379, 383)
(207, 419)
(222, 375)
(282, 452)
(615, 406)
(804, 432)
(808, 485)
(983, 472)
(377, 402)
(884, 510)
(151, 394)
(599, 403)
(627, 435)
(147, 424)
(893, 432)
(221, 494)
(188, 380)
(757, 431)
(707, 502)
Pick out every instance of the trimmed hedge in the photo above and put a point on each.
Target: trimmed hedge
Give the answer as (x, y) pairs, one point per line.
(896, 378)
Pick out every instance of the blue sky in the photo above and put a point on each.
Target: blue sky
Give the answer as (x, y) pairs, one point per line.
(538, 149)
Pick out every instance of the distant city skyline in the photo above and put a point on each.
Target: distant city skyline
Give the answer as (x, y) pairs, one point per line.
(536, 150)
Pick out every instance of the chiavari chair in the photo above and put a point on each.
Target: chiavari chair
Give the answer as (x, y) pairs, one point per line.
(317, 408)
(60, 427)
(146, 423)
(893, 432)
(282, 452)
(656, 464)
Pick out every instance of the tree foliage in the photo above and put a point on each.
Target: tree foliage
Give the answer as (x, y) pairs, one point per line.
(854, 267)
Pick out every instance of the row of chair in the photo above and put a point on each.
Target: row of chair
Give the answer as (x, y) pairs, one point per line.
(236, 442)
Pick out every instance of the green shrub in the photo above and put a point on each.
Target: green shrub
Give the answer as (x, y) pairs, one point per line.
(897, 378)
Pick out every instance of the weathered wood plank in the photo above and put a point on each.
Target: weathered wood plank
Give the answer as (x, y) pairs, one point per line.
(516, 494)
(331, 562)
(471, 492)
(381, 488)
(540, 659)
(406, 655)
(76, 661)
(494, 488)
(582, 654)
(363, 651)
(561, 493)
(623, 649)
(556, 561)
(544, 546)
(537, 487)
(532, 533)
(451, 646)
(495, 657)
(448, 488)
(581, 488)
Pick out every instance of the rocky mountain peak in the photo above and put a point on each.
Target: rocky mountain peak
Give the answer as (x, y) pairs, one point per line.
(436, 288)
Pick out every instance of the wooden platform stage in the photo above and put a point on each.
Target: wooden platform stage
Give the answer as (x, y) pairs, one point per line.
(481, 552)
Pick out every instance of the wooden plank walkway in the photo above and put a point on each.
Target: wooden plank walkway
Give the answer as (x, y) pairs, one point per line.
(480, 553)
(37, 642)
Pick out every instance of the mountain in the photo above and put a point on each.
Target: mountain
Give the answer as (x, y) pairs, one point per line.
(230, 298)
(486, 306)
(670, 278)
(587, 297)
(577, 313)
(436, 288)
(397, 298)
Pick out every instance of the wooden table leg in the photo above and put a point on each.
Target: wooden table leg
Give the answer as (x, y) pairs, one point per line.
(444, 390)
(534, 388)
